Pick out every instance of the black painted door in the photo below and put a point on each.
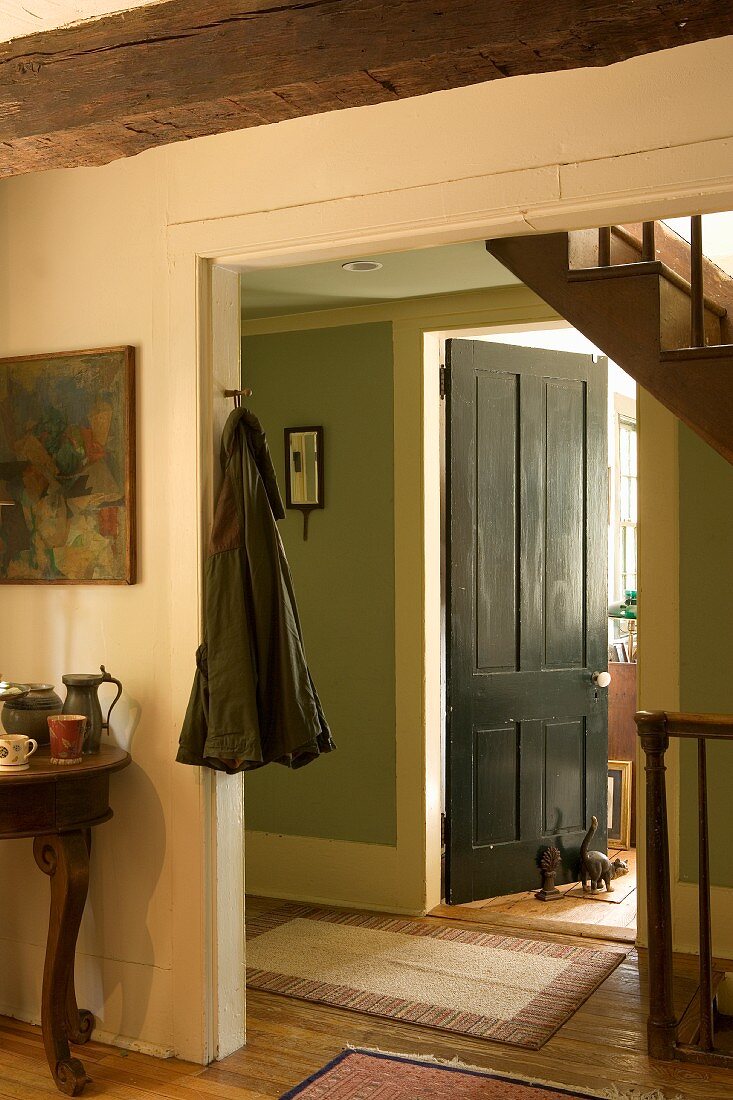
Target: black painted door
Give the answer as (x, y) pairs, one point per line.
(527, 547)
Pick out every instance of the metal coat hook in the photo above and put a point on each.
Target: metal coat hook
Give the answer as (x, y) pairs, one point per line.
(238, 395)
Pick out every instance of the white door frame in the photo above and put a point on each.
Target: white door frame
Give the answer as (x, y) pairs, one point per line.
(204, 945)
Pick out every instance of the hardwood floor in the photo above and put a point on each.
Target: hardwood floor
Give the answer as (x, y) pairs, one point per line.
(602, 1045)
(591, 918)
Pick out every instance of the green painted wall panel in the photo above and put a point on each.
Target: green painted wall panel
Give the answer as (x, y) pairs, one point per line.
(706, 644)
(341, 378)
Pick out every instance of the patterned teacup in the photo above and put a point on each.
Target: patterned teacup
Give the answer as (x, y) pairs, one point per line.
(67, 736)
(14, 752)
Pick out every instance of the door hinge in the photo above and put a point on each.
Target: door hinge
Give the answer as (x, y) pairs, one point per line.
(443, 382)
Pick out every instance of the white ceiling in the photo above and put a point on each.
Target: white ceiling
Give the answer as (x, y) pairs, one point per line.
(270, 292)
(20, 17)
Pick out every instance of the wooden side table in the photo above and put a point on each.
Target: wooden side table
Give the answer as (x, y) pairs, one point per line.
(58, 805)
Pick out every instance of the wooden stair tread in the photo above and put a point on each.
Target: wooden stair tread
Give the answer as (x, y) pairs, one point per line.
(643, 267)
(710, 351)
(616, 271)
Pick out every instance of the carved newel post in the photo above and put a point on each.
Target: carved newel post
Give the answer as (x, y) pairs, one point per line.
(662, 1022)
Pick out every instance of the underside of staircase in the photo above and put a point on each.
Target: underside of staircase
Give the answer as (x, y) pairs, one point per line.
(658, 309)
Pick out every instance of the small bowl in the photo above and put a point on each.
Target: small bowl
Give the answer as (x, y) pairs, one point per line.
(13, 691)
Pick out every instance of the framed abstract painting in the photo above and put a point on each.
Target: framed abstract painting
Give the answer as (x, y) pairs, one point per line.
(67, 468)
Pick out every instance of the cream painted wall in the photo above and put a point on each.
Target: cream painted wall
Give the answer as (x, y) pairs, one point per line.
(564, 143)
(706, 620)
(98, 256)
(72, 279)
(670, 638)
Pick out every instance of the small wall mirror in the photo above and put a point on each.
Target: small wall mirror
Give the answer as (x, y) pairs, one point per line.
(304, 471)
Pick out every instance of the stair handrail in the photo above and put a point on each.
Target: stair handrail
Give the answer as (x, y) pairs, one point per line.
(655, 729)
(649, 255)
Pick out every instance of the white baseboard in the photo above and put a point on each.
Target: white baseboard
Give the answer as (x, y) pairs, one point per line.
(107, 1037)
(325, 872)
(137, 1045)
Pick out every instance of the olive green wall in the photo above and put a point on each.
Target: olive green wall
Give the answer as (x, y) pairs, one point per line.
(706, 643)
(341, 378)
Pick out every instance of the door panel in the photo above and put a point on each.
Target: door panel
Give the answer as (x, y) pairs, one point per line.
(564, 775)
(497, 444)
(526, 611)
(496, 785)
(564, 583)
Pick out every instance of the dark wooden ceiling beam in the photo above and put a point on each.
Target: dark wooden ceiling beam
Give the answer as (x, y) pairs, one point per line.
(116, 86)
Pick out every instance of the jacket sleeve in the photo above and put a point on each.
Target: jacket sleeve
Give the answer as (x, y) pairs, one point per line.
(233, 731)
(195, 724)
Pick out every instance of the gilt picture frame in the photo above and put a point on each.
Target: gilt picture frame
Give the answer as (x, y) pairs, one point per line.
(67, 468)
(619, 803)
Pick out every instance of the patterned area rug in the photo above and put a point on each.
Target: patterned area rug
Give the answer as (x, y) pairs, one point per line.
(371, 1075)
(505, 988)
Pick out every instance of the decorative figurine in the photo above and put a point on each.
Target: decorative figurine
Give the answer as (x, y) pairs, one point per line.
(596, 867)
(549, 863)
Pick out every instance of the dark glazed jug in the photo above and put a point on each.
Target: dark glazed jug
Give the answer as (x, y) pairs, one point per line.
(28, 713)
(82, 698)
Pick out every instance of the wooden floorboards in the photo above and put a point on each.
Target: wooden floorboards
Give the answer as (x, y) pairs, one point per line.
(588, 917)
(603, 1044)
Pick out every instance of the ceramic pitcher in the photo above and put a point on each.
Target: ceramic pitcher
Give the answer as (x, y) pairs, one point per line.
(82, 698)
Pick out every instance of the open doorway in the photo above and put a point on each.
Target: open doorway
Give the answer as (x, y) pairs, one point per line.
(539, 491)
(325, 347)
(343, 350)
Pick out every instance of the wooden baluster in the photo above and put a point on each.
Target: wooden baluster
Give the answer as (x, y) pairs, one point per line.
(648, 244)
(706, 952)
(662, 1027)
(604, 246)
(697, 294)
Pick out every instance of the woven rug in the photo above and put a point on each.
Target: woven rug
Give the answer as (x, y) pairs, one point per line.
(371, 1075)
(505, 988)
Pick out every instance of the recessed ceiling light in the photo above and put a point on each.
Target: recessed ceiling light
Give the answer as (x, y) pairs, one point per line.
(361, 265)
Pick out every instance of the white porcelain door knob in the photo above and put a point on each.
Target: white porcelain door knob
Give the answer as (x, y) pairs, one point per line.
(601, 679)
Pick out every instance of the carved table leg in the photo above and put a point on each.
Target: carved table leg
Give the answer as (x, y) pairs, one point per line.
(65, 858)
(79, 1022)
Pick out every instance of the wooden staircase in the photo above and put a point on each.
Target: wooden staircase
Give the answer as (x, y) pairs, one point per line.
(652, 303)
(691, 1038)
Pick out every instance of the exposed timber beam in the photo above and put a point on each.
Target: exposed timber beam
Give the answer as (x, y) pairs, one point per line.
(118, 85)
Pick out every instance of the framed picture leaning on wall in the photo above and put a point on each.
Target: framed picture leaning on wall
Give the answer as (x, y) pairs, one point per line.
(67, 468)
(619, 803)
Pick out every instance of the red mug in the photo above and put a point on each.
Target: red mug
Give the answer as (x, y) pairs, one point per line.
(67, 735)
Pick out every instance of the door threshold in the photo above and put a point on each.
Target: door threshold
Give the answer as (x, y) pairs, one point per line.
(505, 921)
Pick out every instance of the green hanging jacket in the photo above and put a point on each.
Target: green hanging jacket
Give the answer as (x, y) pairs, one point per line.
(253, 701)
